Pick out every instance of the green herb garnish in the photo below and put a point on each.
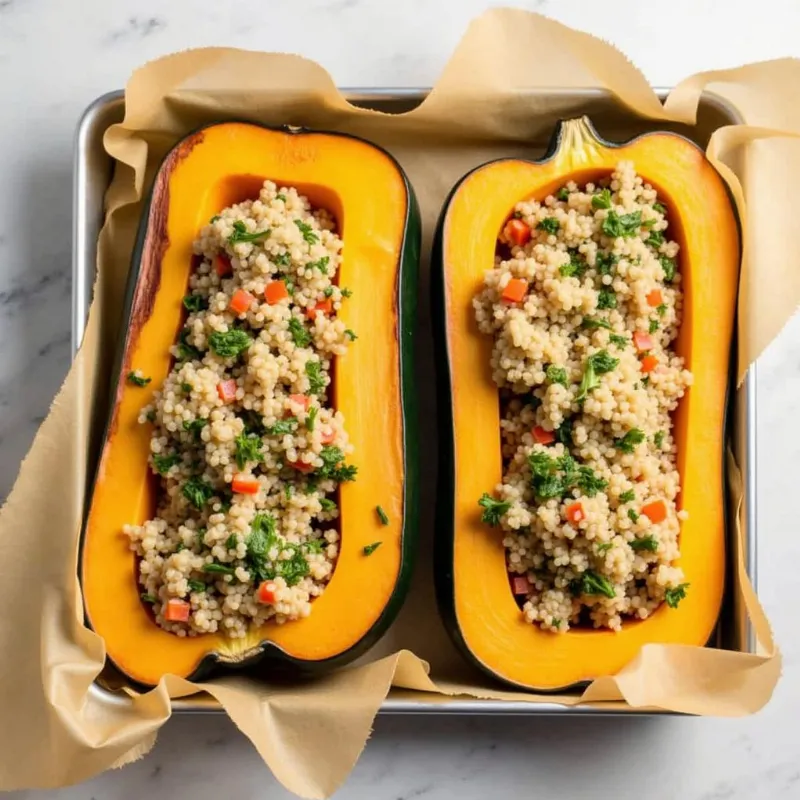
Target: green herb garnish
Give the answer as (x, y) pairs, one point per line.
(548, 224)
(595, 322)
(346, 292)
(195, 426)
(350, 335)
(248, 449)
(197, 586)
(281, 197)
(300, 336)
(632, 515)
(597, 364)
(148, 598)
(653, 326)
(658, 439)
(674, 596)
(576, 266)
(164, 463)
(186, 351)
(321, 264)
(589, 483)
(371, 548)
(604, 547)
(557, 375)
(316, 379)
(382, 515)
(218, 569)
(138, 380)
(214, 219)
(282, 260)
(606, 298)
(232, 542)
(661, 310)
(627, 497)
(660, 208)
(602, 199)
(564, 433)
(328, 291)
(282, 427)
(604, 263)
(591, 583)
(668, 265)
(311, 418)
(655, 239)
(624, 225)
(492, 509)
(241, 234)
(327, 505)
(150, 416)
(647, 544)
(562, 194)
(333, 468)
(308, 233)
(230, 343)
(627, 444)
(197, 492)
(619, 341)
(194, 302)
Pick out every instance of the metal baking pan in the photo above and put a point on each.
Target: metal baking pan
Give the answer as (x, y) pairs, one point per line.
(92, 174)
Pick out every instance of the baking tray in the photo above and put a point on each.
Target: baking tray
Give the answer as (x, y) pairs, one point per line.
(92, 175)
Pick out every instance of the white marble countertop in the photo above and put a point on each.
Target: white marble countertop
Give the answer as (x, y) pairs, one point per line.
(55, 57)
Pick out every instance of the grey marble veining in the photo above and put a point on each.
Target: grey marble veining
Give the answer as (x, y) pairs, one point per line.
(55, 57)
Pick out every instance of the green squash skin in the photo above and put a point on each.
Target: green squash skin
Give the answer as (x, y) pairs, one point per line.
(444, 542)
(268, 659)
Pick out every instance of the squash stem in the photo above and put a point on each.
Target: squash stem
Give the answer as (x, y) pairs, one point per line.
(578, 142)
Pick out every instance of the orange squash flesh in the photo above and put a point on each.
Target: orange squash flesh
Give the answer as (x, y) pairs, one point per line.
(373, 205)
(484, 617)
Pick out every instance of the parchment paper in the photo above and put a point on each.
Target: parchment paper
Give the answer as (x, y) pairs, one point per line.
(312, 736)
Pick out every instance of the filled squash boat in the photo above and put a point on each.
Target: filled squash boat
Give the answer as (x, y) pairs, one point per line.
(255, 494)
(585, 305)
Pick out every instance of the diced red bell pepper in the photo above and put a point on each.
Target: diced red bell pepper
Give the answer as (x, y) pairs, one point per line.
(177, 610)
(241, 301)
(642, 341)
(520, 585)
(245, 484)
(223, 265)
(227, 390)
(267, 592)
(542, 436)
(518, 232)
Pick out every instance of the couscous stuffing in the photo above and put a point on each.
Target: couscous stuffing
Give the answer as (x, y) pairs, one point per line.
(246, 446)
(583, 304)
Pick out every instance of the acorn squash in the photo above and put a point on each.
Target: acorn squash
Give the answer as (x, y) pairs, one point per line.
(376, 214)
(473, 589)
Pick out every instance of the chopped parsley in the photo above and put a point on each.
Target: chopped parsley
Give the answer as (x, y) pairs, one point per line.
(350, 335)
(557, 375)
(282, 427)
(606, 298)
(138, 380)
(308, 233)
(328, 291)
(195, 426)
(321, 264)
(597, 364)
(622, 225)
(660, 208)
(148, 598)
(661, 310)
(300, 336)
(658, 439)
(186, 387)
(164, 463)
(186, 351)
(564, 433)
(150, 416)
(197, 492)
(632, 515)
(604, 263)
(316, 380)
(589, 483)
(655, 239)
(595, 322)
(241, 234)
(371, 548)
(653, 326)
(333, 468)
(648, 544)
(281, 197)
(232, 542)
(382, 515)
(591, 583)
(602, 199)
(668, 265)
(194, 302)
(282, 260)
(253, 422)
(214, 219)
(576, 266)
(492, 509)
(674, 596)
(248, 449)
(548, 224)
(604, 547)
(196, 586)
(619, 341)
(327, 504)
(346, 292)
(218, 569)
(627, 444)
(562, 194)
(230, 343)
(311, 418)
(627, 497)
